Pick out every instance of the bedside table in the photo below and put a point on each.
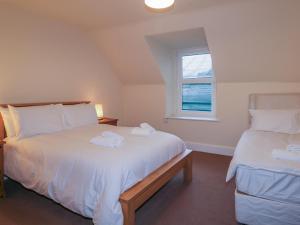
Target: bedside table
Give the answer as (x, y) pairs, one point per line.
(109, 121)
(2, 193)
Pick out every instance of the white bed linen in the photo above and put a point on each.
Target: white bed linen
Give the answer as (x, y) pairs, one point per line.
(259, 211)
(83, 177)
(255, 150)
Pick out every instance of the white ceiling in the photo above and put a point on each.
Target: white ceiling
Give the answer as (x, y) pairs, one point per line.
(97, 14)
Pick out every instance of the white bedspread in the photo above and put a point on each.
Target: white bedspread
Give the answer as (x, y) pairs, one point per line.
(83, 177)
(255, 150)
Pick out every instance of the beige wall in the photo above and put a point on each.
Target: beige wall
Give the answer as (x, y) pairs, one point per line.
(254, 45)
(147, 103)
(46, 60)
(250, 41)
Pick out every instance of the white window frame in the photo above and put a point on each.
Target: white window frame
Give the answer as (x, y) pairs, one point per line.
(181, 81)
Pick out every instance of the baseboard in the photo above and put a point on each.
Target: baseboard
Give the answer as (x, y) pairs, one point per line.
(215, 149)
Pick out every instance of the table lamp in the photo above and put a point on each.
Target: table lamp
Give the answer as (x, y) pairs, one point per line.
(99, 110)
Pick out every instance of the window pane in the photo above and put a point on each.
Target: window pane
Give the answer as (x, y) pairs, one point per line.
(195, 66)
(197, 97)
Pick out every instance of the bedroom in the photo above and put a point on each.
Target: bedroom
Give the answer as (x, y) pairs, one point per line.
(120, 54)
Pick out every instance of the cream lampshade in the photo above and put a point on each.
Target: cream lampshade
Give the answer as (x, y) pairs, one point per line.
(99, 110)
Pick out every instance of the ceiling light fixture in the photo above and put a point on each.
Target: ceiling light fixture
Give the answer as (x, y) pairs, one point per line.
(159, 5)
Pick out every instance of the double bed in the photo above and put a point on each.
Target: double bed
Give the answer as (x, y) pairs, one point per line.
(267, 189)
(105, 184)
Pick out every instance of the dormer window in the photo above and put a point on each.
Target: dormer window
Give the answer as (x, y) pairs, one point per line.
(186, 66)
(195, 84)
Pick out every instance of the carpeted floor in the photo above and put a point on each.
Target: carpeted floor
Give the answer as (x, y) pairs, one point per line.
(208, 200)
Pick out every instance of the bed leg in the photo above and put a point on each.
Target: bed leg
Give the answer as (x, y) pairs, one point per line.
(187, 170)
(128, 213)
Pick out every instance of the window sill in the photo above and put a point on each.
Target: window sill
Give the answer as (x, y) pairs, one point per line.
(209, 119)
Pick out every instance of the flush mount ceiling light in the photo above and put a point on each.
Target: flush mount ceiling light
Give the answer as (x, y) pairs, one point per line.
(159, 5)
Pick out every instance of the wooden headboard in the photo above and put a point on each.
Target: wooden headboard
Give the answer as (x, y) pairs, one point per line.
(2, 128)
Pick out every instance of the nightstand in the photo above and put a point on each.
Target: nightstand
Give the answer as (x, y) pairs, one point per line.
(2, 193)
(109, 121)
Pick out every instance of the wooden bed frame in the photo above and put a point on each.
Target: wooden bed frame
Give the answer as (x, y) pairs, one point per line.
(135, 196)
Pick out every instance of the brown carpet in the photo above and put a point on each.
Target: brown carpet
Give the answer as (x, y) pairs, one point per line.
(208, 200)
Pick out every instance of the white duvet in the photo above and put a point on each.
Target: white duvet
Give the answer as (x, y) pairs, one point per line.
(83, 177)
(255, 150)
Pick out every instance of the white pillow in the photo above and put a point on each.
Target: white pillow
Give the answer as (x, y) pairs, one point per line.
(281, 121)
(30, 121)
(8, 122)
(80, 115)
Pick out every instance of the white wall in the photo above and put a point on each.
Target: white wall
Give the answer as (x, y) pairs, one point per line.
(147, 102)
(254, 45)
(46, 60)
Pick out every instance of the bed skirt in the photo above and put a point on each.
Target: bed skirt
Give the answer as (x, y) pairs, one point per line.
(252, 210)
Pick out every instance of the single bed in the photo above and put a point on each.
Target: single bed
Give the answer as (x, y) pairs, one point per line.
(105, 184)
(267, 190)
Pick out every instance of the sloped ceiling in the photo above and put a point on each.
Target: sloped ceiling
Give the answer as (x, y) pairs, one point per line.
(97, 14)
(192, 38)
(250, 41)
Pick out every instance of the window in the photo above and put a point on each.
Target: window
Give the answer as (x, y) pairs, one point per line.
(196, 86)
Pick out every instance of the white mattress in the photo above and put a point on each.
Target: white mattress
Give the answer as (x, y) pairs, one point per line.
(268, 184)
(258, 174)
(83, 177)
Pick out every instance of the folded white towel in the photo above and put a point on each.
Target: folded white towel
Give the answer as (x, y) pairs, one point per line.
(141, 131)
(144, 130)
(108, 139)
(147, 126)
(286, 155)
(112, 134)
(293, 147)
